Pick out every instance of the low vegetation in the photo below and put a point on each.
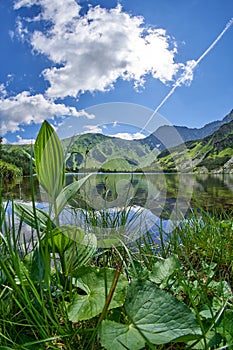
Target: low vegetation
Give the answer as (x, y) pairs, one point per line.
(61, 289)
(15, 155)
(9, 171)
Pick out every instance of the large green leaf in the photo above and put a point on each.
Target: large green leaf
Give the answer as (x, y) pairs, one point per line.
(158, 315)
(68, 192)
(60, 238)
(49, 159)
(154, 314)
(164, 269)
(93, 281)
(116, 336)
(26, 213)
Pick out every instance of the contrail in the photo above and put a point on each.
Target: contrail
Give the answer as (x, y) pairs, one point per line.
(187, 74)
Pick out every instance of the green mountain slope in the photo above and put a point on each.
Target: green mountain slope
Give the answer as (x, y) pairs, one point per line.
(97, 152)
(212, 153)
(103, 153)
(13, 154)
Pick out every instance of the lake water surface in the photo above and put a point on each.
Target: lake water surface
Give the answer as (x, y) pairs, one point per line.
(152, 191)
(158, 198)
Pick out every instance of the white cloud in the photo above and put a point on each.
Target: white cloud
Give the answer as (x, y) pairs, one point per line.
(128, 136)
(93, 129)
(3, 92)
(90, 52)
(22, 141)
(25, 109)
(25, 3)
(4, 141)
(186, 76)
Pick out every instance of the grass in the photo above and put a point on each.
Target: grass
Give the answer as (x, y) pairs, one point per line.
(61, 289)
(35, 290)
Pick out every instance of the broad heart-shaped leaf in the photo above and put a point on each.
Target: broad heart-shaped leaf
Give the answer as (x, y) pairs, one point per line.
(158, 315)
(26, 212)
(68, 192)
(163, 269)
(49, 159)
(117, 336)
(154, 316)
(96, 283)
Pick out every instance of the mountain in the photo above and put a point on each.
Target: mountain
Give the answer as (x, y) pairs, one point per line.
(164, 150)
(104, 153)
(168, 136)
(92, 152)
(212, 153)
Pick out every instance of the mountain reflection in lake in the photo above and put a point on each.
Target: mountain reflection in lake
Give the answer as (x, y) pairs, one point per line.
(160, 193)
(130, 205)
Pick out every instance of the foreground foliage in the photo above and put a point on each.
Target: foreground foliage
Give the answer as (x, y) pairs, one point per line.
(60, 291)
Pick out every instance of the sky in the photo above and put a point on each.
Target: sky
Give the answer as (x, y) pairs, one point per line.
(111, 66)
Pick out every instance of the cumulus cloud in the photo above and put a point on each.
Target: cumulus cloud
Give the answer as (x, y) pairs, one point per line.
(22, 141)
(90, 52)
(93, 129)
(128, 136)
(24, 109)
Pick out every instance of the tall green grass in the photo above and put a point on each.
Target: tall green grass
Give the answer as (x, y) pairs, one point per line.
(195, 267)
(63, 291)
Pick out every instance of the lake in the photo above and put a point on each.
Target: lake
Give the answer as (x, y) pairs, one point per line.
(149, 201)
(152, 191)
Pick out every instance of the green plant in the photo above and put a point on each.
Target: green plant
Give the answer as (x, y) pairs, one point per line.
(9, 171)
(63, 292)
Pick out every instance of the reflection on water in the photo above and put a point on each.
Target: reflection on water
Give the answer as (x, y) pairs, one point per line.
(116, 200)
(214, 192)
(160, 193)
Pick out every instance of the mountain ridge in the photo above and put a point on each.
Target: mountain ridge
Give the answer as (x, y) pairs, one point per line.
(211, 153)
(173, 135)
(98, 152)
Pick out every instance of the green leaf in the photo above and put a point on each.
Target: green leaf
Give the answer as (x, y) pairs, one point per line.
(63, 237)
(92, 281)
(27, 154)
(26, 212)
(226, 326)
(68, 192)
(38, 266)
(49, 159)
(116, 336)
(71, 241)
(80, 253)
(153, 315)
(158, 315)
(164, 269)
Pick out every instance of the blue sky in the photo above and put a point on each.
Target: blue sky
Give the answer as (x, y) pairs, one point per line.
(105, 66)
